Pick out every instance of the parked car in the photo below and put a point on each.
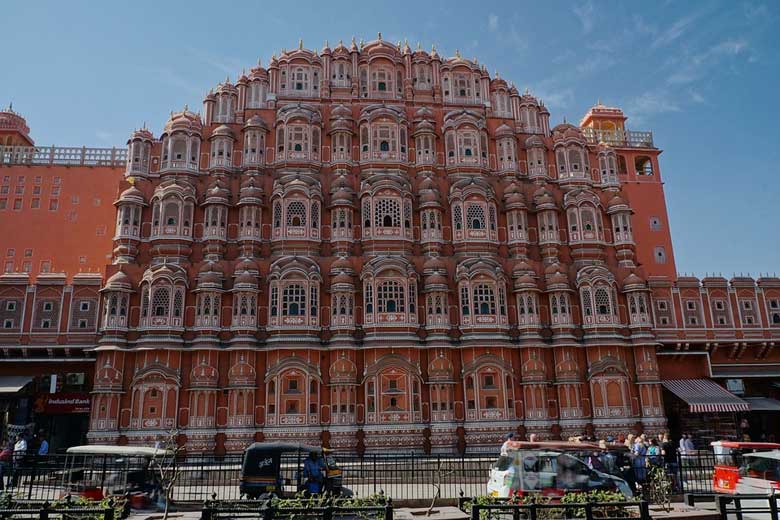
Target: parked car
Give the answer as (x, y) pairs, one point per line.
(549, 469)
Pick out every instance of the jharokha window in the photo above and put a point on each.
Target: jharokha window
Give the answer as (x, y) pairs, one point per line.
(387, 215)
(295, 216)
(294, 301)
(483, 300)
(162, 297)
(390, 296)
(172, 215)
(393, 396)
(599, 305)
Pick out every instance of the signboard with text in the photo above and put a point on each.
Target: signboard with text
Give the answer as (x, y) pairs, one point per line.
(62, 403)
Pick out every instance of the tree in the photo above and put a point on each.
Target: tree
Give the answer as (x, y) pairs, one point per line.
(165, 468)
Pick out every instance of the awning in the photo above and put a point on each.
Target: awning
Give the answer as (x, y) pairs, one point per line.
(12, 384)
(763, 404)
(705, 395)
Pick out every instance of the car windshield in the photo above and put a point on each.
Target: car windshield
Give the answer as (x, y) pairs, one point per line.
(761, 467)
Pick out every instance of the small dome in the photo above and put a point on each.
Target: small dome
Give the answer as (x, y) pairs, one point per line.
(435, 279)
(118, 281)
(342, 279)
(246, 279)
(504, 131)
(184, 121)
(209, 267)
(534, 142)
(131, 195)
(633, 279)
(256, 122)
(247, 264)
(223, 131)
(341, 112)
(544, 199)
(525, 281)
(616, 204)
(567, 131)
(435, 263)
(342, 263)
(142, 134)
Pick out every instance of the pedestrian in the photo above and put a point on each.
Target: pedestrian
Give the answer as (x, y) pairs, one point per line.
(654, 453)
(313, 472)
(690, 447)
(669, 454)
(20, 452)
(532, 437)
(683, 445)
(43, 448)
(639, 451)
(505, 447)
(6, 459)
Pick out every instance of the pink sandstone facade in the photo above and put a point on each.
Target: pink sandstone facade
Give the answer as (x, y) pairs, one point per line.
(377, 248)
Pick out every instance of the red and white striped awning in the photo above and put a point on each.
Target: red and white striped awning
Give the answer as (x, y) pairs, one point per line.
(705, 395)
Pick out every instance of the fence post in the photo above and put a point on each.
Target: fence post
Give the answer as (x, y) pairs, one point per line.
(328, 513)
(474, 511)
(589, 510)
(373, 476)
(644, 510)
(108, 514)
(680, 479)
(773, 506)
(532, 511)
(389, 509)
(721, 500)
(45, 511)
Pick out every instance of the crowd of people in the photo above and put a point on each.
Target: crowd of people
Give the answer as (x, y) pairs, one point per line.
(20, 451)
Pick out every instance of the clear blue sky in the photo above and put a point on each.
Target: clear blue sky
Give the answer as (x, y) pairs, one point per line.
(702, 75)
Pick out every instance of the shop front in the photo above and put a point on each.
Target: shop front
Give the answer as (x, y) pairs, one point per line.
(759, 386)
(47, 402)
(704, 409)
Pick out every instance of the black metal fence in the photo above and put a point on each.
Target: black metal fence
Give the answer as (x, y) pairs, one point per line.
(270, 510)
(750, 506)
(588, 510)
(401, 476)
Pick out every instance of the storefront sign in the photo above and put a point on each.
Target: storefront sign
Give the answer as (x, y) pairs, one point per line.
(62, 403)
(735, 386)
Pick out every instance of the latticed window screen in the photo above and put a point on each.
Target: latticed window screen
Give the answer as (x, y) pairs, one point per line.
(315, 215)
(412, 298)
(603, 304)
(313, 299)
(145, 301)
(492, 211)
(367, 213)
(294, 300)
(587, 304)
(274, 300)
(484, 300)
(390, 297)
(161, 301)
(564, 301)
(277, 215)
(457, 216)
(178, 303)
(464, 301)
(475, 216)
(387, 213)
(407, 214)
(296, 213)
(368, 298)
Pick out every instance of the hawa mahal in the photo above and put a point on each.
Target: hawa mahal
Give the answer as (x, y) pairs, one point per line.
(369, 247)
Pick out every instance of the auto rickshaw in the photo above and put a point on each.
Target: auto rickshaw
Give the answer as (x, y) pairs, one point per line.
(276, 468)
(96, 472)
(730, 466)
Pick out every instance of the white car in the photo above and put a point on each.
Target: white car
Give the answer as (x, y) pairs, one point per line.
(531, 468)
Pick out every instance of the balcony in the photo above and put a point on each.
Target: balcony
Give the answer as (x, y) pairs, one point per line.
(49, 155)
(201, 422)
(240, 421)
(179, 164)
(619, 138)
(606, 412)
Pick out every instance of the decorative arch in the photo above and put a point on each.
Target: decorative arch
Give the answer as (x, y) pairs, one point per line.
(295, 293)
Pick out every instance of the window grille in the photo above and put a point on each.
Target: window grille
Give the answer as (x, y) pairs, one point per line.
(390, 297)
(387, 213)
(475, 216)
(161, 301)
(603, 304)
(484, 300)
(296, 214)
(294, 300)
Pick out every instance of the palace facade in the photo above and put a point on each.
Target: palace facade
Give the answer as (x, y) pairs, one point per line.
(376, 248)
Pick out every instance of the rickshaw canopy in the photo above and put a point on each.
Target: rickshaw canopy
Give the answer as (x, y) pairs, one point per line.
(746, 445)
(121, 451)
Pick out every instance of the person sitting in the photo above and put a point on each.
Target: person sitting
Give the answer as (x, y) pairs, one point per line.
(313, 473)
